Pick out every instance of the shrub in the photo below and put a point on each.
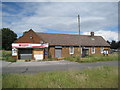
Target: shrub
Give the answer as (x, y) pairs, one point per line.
(7, 56)
(11, 59)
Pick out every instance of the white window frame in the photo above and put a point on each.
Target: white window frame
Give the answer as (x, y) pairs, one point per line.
(81, 50)
(70, 50)
(93, 50)
(101, 49)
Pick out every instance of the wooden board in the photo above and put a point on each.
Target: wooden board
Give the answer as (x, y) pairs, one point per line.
(38, 51)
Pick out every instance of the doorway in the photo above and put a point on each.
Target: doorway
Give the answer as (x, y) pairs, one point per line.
(58, 52)
(85, 52)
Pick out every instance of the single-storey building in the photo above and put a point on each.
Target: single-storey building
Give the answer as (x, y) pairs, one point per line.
(38, 46)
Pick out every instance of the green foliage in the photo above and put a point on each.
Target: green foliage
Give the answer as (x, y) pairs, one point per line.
(114, 44)
(99, 77)
(93, 58)
(73, 58)
(0, 40)
(7, 56)
(8, 37)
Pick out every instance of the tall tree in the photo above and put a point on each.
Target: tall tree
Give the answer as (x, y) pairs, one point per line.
(118, 44)
(8, 37)
(114, 45)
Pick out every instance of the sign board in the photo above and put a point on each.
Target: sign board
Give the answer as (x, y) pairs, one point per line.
(38, 56)
(29, 45)
(14, 52)
(45, 52)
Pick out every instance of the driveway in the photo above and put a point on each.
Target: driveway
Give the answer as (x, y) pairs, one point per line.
(46, 66)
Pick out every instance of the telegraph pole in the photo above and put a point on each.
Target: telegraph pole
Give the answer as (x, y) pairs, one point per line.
(78, 36)
(79, 24)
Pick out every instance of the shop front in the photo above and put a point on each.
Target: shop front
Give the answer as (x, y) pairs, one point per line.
(29, 51)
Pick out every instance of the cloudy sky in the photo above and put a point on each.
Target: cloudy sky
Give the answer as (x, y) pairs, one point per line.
(61, 17)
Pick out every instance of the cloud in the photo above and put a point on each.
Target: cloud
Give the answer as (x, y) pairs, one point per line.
(60, 1)
(59, 16)
(107, 35)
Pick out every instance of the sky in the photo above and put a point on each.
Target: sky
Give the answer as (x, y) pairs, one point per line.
(61, 17)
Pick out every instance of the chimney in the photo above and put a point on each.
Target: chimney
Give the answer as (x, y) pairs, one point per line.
(92, 34)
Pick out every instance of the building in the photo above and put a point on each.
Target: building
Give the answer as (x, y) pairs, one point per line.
(39, 46)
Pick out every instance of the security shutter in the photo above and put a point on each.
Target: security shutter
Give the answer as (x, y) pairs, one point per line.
(25, 53)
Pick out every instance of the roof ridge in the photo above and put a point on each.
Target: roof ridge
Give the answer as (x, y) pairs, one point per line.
(63, 34)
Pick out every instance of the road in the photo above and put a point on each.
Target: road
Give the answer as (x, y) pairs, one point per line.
(46, 66)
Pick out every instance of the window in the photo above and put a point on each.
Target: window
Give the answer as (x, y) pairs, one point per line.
(81, 49)
(102, 49)
(71, 50)
(31, 37)
(93, 50)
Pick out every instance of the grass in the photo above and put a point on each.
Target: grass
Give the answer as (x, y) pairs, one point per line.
(7, 56)
(93, 58)
(99, 77)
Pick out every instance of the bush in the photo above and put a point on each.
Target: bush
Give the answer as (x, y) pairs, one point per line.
(11, 59)
(7, 56)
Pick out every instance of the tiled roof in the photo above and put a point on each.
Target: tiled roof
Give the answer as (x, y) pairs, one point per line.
(72, 39)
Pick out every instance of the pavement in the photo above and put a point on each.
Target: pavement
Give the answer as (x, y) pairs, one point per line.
(46, 66)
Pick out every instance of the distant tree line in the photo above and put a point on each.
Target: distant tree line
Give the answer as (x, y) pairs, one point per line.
(114, 44)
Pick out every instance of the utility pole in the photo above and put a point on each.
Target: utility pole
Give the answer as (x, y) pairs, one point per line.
(79, 24)
(79, 34)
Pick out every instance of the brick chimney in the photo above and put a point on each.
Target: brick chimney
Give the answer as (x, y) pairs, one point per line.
(92, 34)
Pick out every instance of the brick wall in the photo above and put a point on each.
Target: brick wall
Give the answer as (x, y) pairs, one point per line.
(77, 51)
(26, 38)
(51, 52)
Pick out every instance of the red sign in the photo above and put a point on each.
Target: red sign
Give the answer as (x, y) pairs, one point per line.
(28, 45)
(23, 45)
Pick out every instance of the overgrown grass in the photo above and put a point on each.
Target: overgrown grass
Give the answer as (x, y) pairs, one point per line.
(99, 77)
(94, 58)
(7, 56)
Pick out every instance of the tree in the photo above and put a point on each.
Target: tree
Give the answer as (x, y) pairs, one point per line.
(0, 40)
(118, 44)
(8, 37)
(114, 45)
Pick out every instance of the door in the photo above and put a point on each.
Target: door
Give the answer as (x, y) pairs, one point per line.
(25, 53)
(58, 52)
(85, 52)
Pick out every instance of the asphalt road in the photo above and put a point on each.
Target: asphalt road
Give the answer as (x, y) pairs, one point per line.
(46, 66)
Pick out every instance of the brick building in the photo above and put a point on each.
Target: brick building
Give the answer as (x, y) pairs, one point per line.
(39, 46)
